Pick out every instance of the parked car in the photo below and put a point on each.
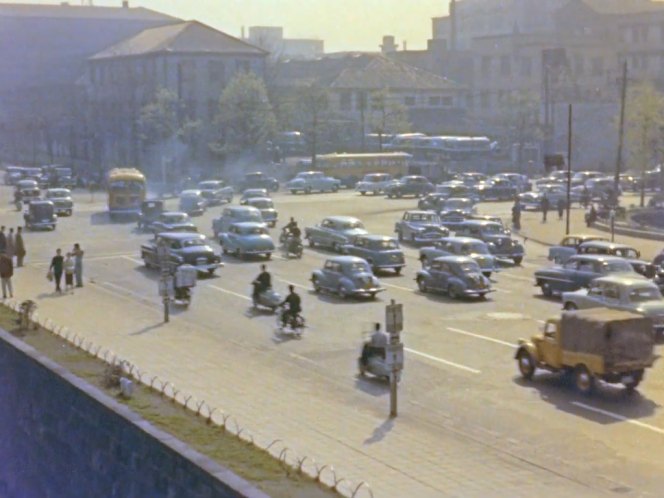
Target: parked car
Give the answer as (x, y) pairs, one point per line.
(266, 206)
(259, 180)
(192, 202)
(312, 181)
(632, 255)
(334, 231)
(373, 183)
(235, 214)
(173, 221)
(215, 192)
(409, 185)
(500, 243)
(247, 239)
(497, 190)
(381, 252)
(456, 276)
(432, 201)
(183, 248)
(456, 188)
(463, 205)
(461, 246)
(62, 201)
(420, 227)
(13, 174)
(569, 246)
(622, 293)
(578, 271)
(150, 212)
(253, 193)
(348, 276)
(40, 215)
(581, 177)
(521, 182)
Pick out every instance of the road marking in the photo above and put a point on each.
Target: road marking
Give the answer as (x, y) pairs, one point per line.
(300, 286)
(133, 260)
(622, 418)
(398, 287)
(483, 337)
(226, 291)
(302, 358)
(445, 362)
(502, 290)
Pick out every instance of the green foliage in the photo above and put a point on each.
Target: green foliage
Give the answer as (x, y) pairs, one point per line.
(245, 119)
(312, 107)
(387, 115)
(644, 120)
(519, 119)
(158, 120)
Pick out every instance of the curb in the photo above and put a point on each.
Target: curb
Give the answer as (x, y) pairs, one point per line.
(527, 237)
(629, 232)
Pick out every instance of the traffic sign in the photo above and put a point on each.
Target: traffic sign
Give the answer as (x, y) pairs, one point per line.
(394, 318)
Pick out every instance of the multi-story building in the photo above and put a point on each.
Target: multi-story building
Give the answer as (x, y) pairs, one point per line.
(194, 61)
(271, 38)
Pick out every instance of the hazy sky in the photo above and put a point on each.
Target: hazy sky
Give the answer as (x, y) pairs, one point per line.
(342, 24)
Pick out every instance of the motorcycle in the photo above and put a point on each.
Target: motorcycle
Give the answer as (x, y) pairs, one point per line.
(184, 281)
(269, 298)
(293, 245)
(294, 327)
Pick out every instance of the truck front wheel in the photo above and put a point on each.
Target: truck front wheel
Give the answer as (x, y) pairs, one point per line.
(583, 380)
(526, 364)
(635, 379)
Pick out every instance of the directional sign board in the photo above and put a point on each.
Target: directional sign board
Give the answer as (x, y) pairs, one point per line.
(166, 287)
(394, 356)
(394, 318)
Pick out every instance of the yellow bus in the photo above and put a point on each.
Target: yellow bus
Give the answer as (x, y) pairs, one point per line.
(126, 192)
(349, 168)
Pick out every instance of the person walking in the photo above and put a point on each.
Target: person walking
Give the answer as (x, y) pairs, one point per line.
(19, 247)
(78, 260)
(6, 274)
(516, 215)
(56, 268)
(545, 207)
(561, 208)
(69, 267)
(11, 244)
(3, 239)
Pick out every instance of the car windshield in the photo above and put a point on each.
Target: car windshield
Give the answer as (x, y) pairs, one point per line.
(193, 242)
(383, 244)
(359, 267)
(254, 193)
(263, 204)
(468, 267)
(458, 204)
(616, 266)
(175, 218)
(129, 185)
(492, 228)
(351, 225)
(475, 248)
(373, 178)
(252, 216)
(425, 217)
(642, 294)
(253, 231)
(626, 252)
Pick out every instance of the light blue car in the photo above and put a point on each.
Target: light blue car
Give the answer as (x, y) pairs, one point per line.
(312, 181)
(347, 276)
(334, 231)
(247, 239)
(461, 246)
(381, 252)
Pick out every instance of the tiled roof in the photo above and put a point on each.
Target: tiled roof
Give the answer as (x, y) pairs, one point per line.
(82, 12)
(360, 71)
(184, 37)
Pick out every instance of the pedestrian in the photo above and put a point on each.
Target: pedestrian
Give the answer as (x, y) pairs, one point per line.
(3, 239)
(545, 207)
(69, 266)
(11, 244)
(585, 197)
(561, 208)
(6, 274)
(516, 215)
(19, 247)
(55, 270)
(78, 259)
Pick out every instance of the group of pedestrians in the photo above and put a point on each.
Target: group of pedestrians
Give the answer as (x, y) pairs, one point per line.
(71, 265)
(11, 245)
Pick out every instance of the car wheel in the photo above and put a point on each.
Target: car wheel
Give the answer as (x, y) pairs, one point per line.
(335, 189)
(210, 272)
(570, 307)
(316, 284)
(275, 188)
(526, 364)
(518, 260)
(487, 274)
(268, 255)
(399, 194)
(342, 292)
(237, 253)
(224, 250)
(293, 191)
(400, 236)
(372, 295)
(546, 289)
(453, 292)
(336, 247)
(390, 196)
(422, 285)
(583, 380)
(397, 270)
(307, 190)
(362, 192)
(311, 242)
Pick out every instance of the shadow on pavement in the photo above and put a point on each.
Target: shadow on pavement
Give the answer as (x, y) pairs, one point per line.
(380, 432)
(558, 389)
(329, 297)
(375, 386)
(46, 295)
(147, 329)
(103, 218)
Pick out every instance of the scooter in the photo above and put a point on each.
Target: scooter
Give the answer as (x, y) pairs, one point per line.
(267, 299)
(294, 328)
(372, 360)
(293, 246)
(182, 296)
(184, 281)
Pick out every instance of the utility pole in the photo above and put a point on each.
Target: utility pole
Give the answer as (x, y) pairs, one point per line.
(166, 279)
(621, 130)
(394, 350)
(569, 165)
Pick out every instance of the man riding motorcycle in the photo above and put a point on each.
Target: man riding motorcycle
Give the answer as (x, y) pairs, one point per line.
(375, 346)
(292, 237)
(262, 282)
(293, 305)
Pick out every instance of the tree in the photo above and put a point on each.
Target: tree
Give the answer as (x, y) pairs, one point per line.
(245, 119)
(644, 120)
(387, 116)
(519, 117)
(313, 105)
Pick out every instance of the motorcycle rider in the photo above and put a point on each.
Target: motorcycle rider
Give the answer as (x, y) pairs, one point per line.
(376, 345)
(293, 305)
(262, 282)
(18, 200)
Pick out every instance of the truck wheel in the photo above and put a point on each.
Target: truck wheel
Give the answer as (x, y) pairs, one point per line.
(546, 289)
(583, 380)
(526, 364)
(570, 307)
(637, 376)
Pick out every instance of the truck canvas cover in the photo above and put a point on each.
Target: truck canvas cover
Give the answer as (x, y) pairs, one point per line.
(619, 337)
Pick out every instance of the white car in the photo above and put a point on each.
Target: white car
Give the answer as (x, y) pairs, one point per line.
(374, 183)
(310, 181)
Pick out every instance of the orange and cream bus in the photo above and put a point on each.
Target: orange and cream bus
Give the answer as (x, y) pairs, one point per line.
(126, 192)
(349, 168)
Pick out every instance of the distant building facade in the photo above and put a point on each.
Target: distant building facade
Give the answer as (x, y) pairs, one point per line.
(271, 38)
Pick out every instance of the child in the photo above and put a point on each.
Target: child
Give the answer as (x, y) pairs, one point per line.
(70, 267)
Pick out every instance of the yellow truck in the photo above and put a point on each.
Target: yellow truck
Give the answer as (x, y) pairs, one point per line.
(609, 345)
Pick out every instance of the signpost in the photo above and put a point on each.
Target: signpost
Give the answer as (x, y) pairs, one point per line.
(394, 351)
(166, 288)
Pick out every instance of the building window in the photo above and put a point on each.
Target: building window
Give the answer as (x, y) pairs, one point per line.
(216, 71)
(526, 67)
(505, 66)
(597, 66)
(447, 101)
(486, 66)
(434, 101)
(346, 101)
(409, 101)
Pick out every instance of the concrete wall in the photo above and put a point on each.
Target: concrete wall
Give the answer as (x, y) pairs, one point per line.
(61, 437)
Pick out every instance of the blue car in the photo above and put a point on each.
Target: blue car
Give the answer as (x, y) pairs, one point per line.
(247, 239)
(348, 276)
(420, 227)
(461, 246)
(456, 276)
(381, 252)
